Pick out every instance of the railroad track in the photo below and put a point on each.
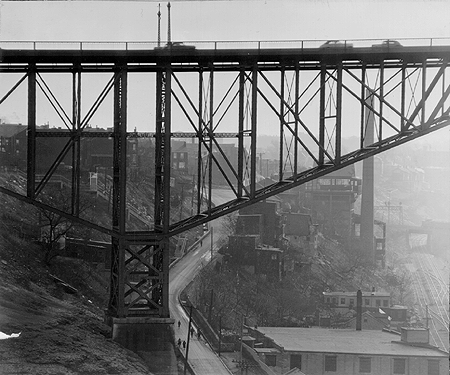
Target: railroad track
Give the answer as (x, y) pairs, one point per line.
(431, 293)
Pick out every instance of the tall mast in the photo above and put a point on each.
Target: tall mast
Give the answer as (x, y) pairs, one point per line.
(159, 25)
(168, 25)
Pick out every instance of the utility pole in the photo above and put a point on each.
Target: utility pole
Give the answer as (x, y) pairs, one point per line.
(220, 333)
(260, 163)
(211, 301)
(188, 335)
(242, 329)
(181, 199)
(211, 231)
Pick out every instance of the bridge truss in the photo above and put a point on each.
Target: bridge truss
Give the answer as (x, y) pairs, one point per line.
(311, 99)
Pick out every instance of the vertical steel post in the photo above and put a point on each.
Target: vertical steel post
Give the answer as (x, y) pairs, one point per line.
(363, 101)
(211, 129)
(403, 124)
(200, 141)
(443, 86)
(297, 89)
(338, 133)
(160, 145)
(160, 292)
(31, 136)
(74, 129)
(241, 133)
(76, 148)
(253, 131)
(424, 83)
(380, 126)
(281, 166)
(322, 114)
(117, 298)
(167, 154)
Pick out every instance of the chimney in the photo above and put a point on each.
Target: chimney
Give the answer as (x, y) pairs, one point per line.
(358, 310)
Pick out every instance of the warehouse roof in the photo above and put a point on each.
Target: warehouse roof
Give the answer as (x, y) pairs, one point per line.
(322, 340)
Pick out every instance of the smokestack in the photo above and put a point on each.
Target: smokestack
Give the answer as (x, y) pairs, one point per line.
(358, 310)
(367, 199)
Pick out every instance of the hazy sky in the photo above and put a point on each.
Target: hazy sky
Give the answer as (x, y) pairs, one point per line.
(212, 21)
(224, 20)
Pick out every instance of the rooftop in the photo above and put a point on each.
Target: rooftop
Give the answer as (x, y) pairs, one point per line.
(324, 340)
(353, 294)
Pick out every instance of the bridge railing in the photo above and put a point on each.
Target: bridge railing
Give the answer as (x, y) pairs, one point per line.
(213, 45)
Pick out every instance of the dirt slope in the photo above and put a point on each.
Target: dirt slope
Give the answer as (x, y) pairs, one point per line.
(62, 332)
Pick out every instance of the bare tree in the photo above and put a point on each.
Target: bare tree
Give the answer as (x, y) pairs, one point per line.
(54, 227)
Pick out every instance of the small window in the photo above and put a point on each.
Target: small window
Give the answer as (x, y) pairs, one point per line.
(367, 301)
(433, 367)
(352, 301)
(296, 361)
(334, 300)
(274, 256)
(365, 319)
(365, 365)
(328, 299)
(175, 155)
(342, 301)
(399, 366)
(181, 155)
(331, 363)
(271, 360)
(385, 303)
(378, 302)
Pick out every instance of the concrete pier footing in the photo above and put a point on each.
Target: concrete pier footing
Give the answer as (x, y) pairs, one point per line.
(151, 338)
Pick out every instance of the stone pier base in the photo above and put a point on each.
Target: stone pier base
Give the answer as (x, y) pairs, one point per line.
(151, 338)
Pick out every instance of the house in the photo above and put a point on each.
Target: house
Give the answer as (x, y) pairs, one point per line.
(180, 159)
(260, 259)
(269, 262)
(299, 231)
(331, 199)
(271, 222)
(13, 145)
(318, 351)
(342, 302)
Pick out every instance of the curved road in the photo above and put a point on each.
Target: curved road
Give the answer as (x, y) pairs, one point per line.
(202, 359)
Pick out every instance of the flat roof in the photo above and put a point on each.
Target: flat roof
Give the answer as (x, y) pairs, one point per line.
(353, 294)
(349, 341)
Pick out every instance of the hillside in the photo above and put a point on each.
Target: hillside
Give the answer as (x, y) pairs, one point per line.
(61, 329)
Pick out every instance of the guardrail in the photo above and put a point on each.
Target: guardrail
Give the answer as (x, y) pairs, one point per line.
(210, 45)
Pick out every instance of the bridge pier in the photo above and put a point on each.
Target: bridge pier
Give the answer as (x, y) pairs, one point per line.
(149, 337)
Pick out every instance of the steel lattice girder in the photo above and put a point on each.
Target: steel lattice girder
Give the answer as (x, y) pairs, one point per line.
(409, 99)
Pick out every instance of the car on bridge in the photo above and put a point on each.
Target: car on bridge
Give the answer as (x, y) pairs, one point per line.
(336, 44)
(176, 46)
(388, 44)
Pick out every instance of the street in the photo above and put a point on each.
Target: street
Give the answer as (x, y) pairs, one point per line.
(201, 358)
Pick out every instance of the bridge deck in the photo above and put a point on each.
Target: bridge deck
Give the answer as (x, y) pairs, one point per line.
(285, 56)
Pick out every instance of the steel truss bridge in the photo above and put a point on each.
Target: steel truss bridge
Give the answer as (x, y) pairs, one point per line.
(310, 97)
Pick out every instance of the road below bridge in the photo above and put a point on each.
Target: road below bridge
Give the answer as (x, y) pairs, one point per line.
(202, 359)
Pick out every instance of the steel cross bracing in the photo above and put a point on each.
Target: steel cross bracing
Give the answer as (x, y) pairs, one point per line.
(311, 100)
